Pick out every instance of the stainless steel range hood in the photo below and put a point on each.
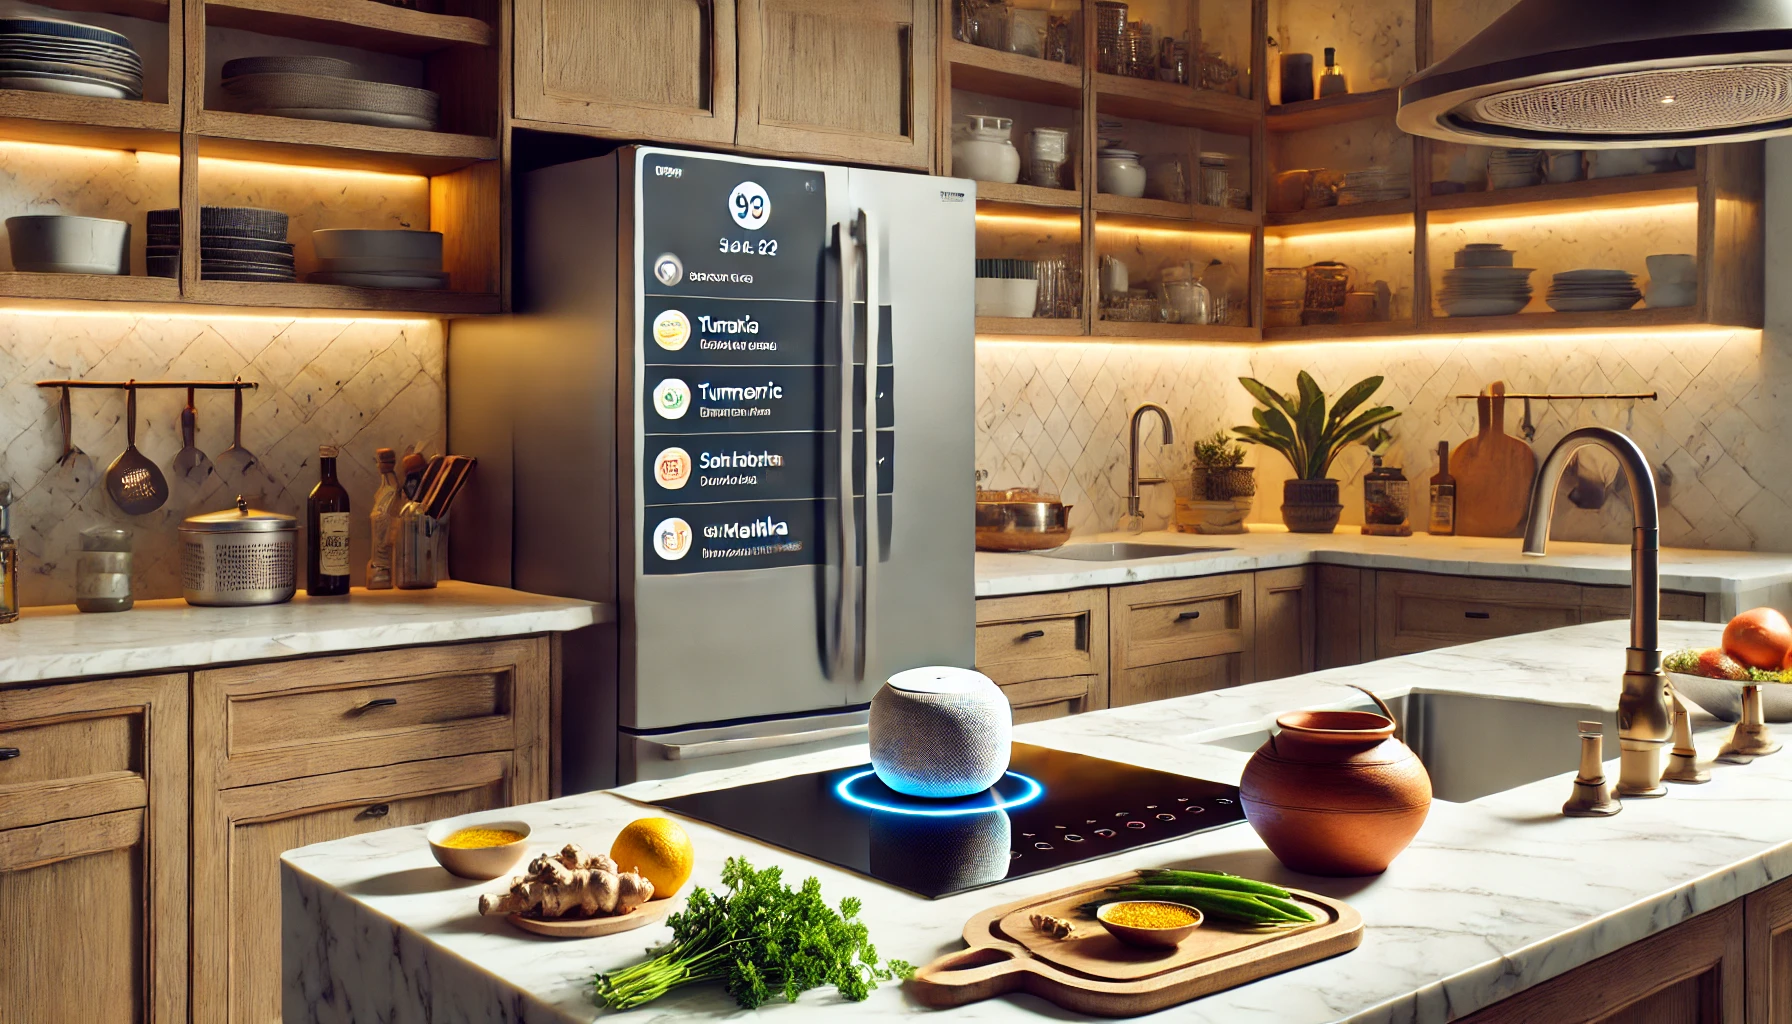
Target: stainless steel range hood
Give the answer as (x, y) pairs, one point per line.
(1612, 74)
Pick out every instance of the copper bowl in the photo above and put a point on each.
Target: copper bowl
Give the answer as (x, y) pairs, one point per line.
(1021, 520)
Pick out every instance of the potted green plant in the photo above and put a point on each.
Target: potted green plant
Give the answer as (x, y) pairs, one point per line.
(1310, 437)
(1220, 473)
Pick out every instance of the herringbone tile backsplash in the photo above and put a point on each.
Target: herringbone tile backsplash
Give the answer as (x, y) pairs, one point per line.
(1055, 415)
(360, 384)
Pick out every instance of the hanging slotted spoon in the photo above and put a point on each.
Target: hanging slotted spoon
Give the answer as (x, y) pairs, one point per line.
(134, 482)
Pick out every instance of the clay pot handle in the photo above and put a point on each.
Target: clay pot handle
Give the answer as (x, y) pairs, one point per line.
(968, 976)
(1386, 711)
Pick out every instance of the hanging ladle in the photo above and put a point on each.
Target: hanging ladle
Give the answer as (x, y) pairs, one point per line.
(134, 482)
(69, 451)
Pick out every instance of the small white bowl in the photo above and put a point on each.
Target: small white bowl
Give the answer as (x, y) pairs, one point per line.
(339, 243)
(485, 863)
(63, 244)
(1006, 296)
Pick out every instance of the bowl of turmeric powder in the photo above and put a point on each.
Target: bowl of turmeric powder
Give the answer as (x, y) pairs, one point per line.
(473, 848)
(1153, 924)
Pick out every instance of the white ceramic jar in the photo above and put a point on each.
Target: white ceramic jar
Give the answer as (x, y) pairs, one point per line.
(982, 148)
(1118, 172)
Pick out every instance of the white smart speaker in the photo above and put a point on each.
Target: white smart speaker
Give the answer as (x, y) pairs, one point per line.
(940, 732)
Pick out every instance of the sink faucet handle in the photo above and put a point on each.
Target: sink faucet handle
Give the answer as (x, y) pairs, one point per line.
(1591, 798)
(1592, 729)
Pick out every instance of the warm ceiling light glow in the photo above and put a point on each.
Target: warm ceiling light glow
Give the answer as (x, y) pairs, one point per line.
(1037, 220)
(57, 150)
(263, 167)
(1707, 335)
(1232, 236)
(1670, 205)
(206, 316)
(1305, 234)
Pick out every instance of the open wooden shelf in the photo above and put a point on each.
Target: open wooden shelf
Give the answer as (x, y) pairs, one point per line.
(1173, 332)
(1356, 106)
(1361, 215)
(1640, 317)
(1033, 326)
(292, 140)
(332, 296)
(1325, 332)
(148, 10)
(1028, 195)
(89, 287)
(1597, 194)
(99, 123)
(1166, 210)
(1010, 75)
(1167, 103)
(363, 24)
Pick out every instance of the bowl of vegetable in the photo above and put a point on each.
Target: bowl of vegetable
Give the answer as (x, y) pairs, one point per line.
(479, 849)
(1152, 924)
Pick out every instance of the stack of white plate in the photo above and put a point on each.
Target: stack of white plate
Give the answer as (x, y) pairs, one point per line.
(325, 89)
(378, 258)
(1513, 168)
(1375, 185)
(47, 55)
(1593, 291)
(1485, 283)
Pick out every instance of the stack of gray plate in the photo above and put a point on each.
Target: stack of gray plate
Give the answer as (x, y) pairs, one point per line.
(325, 89)
(1485, 283)
(236, 243)
(378, 258)
(1374, 185)
(1593, 291)
(1513, 168)
(48, 55)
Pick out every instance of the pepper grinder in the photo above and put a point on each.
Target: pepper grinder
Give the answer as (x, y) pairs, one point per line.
(1683, 763)
(1592, 798)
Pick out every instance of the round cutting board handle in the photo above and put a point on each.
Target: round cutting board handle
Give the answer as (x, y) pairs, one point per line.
(969, 975)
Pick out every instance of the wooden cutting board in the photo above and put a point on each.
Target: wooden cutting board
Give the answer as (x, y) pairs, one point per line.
(1493, 472)
(1093, 972)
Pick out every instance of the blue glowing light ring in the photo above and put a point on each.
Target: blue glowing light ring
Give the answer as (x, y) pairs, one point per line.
(1032, 792)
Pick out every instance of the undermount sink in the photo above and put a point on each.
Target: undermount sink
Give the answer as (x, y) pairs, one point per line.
(1476, 746)
(1120, 551)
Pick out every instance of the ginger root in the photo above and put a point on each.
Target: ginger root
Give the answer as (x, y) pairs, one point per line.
(569, 882)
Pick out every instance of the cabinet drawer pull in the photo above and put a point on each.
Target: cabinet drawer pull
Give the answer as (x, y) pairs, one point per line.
(1185, 616)
(1477, 615)
(8, 753)
(1032, 634)
(380, 702)
(376, 811)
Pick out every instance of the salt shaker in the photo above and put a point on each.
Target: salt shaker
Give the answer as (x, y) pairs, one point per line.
(103, 570)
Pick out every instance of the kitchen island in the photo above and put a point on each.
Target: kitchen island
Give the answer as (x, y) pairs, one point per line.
(1496, 895)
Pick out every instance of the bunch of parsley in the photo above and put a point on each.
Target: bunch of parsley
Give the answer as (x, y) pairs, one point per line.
(760, 937)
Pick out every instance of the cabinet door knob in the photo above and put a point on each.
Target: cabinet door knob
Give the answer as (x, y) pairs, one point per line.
(376, 811)
(8, 753)
(1477, 615)
(380, 702)
(1032, 634)
(1185, 616)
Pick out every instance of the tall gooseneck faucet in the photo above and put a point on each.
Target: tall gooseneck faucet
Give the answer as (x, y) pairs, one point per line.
(1645, 708)
(1132, 472)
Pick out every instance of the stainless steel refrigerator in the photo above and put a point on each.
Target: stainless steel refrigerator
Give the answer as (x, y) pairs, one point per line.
(671, 423)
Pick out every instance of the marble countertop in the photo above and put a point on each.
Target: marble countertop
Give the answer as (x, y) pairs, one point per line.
(64, 643)
(1745, 573)
(1494, 896)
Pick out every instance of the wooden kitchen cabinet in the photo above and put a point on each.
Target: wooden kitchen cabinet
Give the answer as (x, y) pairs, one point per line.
(286, 754)
(93, 851)
(1767, 924)
(645, 69)
(1691, 973)
(1597, 604)
(1048, 652)
(1343, 616)
(1179, 637)
(1285, 632)
(1418, 612)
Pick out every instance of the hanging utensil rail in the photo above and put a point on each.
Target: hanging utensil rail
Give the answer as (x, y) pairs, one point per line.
(120, 385)
(1646, 395)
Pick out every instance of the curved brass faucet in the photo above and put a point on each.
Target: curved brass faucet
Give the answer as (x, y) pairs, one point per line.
(1645, 708)
(1132, 474)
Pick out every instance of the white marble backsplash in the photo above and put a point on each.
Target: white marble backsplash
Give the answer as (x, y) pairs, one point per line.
(361, 384)
(1055, 415)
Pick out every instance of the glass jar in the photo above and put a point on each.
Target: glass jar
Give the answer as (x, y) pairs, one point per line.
(1027, 32)
(1387, 497)
(1185, 300)
(982, 148)
(1327, 286)
(1226, 304)
(1047, 151)
(1110, 37)
(1284, 284)
(103, 570)
(1216, 178)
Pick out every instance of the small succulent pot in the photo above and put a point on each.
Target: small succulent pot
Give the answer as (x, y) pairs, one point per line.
(1311, 506)
(1223, 483)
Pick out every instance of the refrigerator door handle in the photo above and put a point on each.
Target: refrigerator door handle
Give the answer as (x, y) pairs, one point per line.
(867, 638)
(846, 607)
(716, 748)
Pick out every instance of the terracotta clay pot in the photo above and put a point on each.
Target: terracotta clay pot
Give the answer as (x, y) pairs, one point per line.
(1335, 793)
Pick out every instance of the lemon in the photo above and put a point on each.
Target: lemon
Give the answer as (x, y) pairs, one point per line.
(658, 850)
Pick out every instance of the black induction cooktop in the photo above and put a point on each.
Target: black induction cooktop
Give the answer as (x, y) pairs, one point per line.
(1053, 808)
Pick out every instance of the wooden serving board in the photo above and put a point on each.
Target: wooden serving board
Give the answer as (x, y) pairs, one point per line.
(651, 912)
(1093, 972)
(1493, 472)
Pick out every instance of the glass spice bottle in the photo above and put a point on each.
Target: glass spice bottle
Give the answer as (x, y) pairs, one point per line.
(387, 500)
(326, 522)
(9, 560)
(1443, 496)
(1387, 495)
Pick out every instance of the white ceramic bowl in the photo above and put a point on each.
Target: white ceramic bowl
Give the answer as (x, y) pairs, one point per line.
(485, 863)
(1671, 295)
(343, 243)
(61, 244)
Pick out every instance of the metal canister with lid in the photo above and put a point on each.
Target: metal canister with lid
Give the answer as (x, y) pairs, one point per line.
(103, 570)
(240, 556)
